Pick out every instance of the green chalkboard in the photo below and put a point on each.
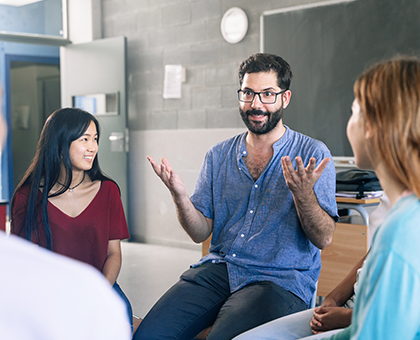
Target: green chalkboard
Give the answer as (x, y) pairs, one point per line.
(327, 48)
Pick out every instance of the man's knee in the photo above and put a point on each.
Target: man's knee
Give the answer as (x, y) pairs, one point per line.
(189, 306)
(280, 300)
(251, 306)
(265, 299)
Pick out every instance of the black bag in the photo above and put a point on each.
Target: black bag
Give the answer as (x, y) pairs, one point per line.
(356, 180)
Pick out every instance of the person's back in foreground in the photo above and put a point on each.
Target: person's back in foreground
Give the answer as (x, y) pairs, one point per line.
(49, 297)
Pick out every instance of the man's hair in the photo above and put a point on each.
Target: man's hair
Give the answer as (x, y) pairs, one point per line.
(389, 98)
(265, 62)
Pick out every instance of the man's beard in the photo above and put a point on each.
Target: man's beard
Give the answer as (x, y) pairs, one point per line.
(260, 128)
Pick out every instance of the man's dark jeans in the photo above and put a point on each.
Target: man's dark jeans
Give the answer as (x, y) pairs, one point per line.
(202, 298)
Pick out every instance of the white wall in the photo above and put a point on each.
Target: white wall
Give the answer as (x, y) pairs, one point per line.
(150, 204)
(84, 18)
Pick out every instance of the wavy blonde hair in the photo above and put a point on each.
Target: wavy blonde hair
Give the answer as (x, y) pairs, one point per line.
(389, 98)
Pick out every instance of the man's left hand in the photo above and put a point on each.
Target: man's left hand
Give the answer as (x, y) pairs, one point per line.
(302, 180)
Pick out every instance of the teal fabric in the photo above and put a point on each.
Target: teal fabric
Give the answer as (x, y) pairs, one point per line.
(387, 304)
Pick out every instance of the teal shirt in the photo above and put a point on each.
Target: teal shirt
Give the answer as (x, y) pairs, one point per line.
(388, 298)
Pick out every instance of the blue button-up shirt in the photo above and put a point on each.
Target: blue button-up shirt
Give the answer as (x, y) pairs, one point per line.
(256, 229)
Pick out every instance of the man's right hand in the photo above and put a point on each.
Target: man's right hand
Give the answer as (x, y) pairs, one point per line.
(168, 176)
(192, 220)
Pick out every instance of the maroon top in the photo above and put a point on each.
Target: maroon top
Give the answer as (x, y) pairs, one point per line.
(84, 237)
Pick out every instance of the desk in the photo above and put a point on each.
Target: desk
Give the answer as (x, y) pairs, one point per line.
(358, 205)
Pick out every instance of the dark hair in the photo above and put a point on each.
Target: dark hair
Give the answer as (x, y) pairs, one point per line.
(62, 127)
(265, 62)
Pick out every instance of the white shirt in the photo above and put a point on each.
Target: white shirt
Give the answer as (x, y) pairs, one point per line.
(51, 297)
(377, 216)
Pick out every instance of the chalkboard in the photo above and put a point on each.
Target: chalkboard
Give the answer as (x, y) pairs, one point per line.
(327, 48)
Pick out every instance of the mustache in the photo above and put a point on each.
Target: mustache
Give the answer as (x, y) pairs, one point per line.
(254, 112)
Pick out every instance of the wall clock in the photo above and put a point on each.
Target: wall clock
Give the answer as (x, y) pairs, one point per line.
(234, 25)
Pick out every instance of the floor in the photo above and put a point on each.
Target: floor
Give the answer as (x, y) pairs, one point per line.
(149, 270)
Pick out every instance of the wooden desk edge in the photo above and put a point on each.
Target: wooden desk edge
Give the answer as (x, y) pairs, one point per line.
(357, 201)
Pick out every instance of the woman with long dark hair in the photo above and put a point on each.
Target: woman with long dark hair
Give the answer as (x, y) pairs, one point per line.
(65, 203)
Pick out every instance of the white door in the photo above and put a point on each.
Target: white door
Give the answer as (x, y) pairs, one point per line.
(91, 72)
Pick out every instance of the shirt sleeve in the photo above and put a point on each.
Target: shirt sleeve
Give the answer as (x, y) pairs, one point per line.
(19, 214)
(324, 187)
(118, 223)
(202, 196)
(387, 306)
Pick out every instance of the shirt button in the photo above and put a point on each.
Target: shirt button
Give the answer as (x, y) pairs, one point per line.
(242, 235)
(234, 255)
(239, 169)
(244, 152)
(256, 185)
(251, 211)
(214, 261)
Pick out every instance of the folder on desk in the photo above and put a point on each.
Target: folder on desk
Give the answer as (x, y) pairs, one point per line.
(354, 194)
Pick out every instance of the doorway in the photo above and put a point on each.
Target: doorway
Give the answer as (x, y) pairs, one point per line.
(34, 92)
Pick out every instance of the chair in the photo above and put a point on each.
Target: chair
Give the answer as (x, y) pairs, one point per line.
(205, 246)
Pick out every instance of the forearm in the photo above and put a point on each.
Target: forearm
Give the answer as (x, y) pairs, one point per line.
(112, 264)
(112, 268)
(316, 223)
(197, 226)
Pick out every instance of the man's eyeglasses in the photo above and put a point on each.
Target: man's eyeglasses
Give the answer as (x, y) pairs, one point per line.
(266, 97)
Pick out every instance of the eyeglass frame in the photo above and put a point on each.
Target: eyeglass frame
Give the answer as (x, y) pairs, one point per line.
(259, 95)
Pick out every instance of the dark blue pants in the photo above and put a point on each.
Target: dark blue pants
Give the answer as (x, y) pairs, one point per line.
(202, 298)
(119, 291)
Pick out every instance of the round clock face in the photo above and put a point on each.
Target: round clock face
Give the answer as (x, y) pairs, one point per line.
(234, 25)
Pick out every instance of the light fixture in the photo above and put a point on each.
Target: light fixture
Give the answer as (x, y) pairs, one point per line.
(234, 25)
(18, 3)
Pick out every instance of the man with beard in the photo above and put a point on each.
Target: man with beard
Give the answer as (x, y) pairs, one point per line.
(267, 220)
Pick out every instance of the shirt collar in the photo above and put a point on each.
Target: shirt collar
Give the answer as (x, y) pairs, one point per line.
(283, 140)
(242, 151)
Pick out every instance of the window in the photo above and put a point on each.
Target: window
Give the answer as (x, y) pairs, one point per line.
(33, 21)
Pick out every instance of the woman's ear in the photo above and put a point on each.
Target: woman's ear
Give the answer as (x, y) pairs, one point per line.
(368, 131)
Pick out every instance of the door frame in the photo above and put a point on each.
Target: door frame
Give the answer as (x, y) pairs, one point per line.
(7, 155)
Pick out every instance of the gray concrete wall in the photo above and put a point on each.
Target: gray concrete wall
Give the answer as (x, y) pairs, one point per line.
(185, 32)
